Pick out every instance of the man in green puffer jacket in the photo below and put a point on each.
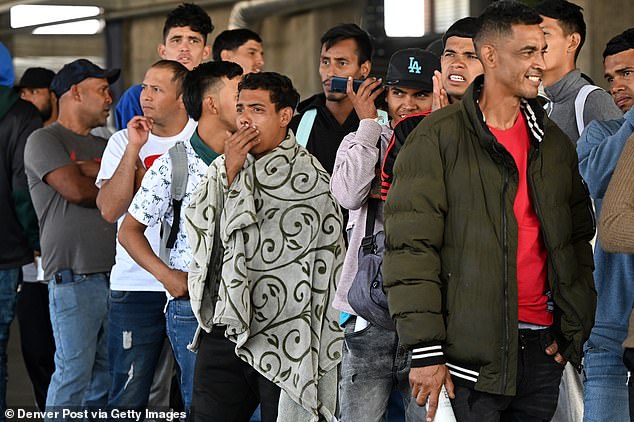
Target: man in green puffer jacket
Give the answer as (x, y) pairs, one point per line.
(488, 266)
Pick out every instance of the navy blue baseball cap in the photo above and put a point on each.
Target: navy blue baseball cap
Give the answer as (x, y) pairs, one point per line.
(74, 72)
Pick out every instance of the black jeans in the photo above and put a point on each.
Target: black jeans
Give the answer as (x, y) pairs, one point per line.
(227, 389)
(628, 360)
(537, 391)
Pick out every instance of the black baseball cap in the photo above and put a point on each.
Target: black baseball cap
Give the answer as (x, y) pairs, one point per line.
(412, 68)
(36, 77)
(74, 72)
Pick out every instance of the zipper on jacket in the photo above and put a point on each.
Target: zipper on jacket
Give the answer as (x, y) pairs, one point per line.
(505, 267)
(540, 218)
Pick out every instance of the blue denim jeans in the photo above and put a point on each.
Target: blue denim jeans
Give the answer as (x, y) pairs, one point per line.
(373, 364)
(79, 317)
(8, 297)
(136, 332)
(181, 327)
(605, 392)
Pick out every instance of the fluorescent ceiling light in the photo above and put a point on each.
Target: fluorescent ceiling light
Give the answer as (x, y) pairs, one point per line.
(87, 27)
(28, 15)
(404, 18)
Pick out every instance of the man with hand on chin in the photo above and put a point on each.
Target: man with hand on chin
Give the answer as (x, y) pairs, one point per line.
(136, 322)
(487, 206)
(281, 234)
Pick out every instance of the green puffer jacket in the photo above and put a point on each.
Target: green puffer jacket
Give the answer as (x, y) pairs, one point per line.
(451, 234)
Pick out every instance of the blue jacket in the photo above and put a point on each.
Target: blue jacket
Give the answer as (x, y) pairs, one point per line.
(6, 67)
(129, 105)
(599, 149)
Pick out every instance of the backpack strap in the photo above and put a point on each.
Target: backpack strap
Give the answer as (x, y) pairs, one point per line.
(178, 187)
(305, 126)
(580, 103)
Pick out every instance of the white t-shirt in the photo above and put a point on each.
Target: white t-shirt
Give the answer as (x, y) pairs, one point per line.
(127, 275)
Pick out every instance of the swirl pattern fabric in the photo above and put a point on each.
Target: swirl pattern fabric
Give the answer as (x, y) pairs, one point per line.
(283, 253)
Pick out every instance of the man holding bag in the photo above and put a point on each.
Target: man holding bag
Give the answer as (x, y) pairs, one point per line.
(372, 356)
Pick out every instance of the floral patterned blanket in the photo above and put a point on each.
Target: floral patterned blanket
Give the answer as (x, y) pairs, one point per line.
(283, 253)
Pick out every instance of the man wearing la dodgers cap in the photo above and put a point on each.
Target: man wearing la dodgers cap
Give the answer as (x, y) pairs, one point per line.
(62, 161)
(373, 362)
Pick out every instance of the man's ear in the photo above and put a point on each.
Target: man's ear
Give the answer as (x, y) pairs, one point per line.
(226, 55)
(488, 55)
(210, 104)
(206, 53)
(161, 51)
(574, 40)
(286, 114)
(366, 67)
(181, 103)
(75, 92)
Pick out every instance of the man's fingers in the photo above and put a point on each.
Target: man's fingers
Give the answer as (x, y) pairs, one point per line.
(433, 405)
(350, 88)
(552, 348)
(449, 386)
(247, 140)
(560, 359)
(376, 92)
(243, 135)
(421, 397)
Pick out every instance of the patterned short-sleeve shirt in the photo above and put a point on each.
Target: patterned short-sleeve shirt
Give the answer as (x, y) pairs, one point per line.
(153, 201)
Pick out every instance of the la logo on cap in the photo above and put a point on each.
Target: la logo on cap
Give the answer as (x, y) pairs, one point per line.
(413, 67)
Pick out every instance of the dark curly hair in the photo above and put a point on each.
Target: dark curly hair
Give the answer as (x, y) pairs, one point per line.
(279, 86)
(188, 14)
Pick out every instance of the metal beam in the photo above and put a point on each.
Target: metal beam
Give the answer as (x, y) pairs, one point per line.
(145, 11)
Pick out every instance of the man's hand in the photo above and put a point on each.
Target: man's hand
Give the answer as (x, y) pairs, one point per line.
(553, 350)
(139, 128)
(440, 98)
(426, 382)
(89, 168)
(363, 99)
(175, 283)
(237, 146)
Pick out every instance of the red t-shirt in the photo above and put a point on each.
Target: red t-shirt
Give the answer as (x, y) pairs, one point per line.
(531, 253)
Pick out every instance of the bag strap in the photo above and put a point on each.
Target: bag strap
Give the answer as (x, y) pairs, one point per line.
(178, 156)
(580, 102)
(305, 126)
(367, 243)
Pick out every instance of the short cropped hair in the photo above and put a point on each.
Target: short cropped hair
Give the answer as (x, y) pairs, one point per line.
(462, 28)
(280, 88)
(201, 79)
(498, 19)
(622, 42)
(349, 31)
(191, 15)
(179, 72)
(232, 39)
(568, 15)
